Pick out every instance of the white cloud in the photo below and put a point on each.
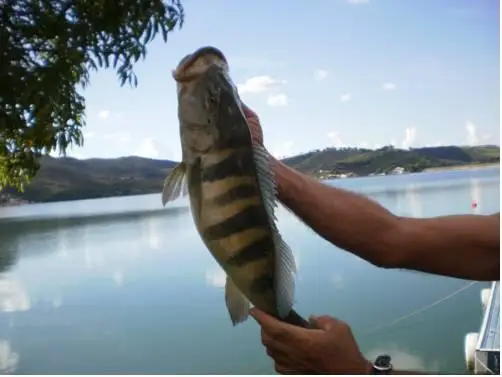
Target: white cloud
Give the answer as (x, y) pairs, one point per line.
(409, 138)
(259, 84)
(473, 136)
(363, 144)
(486, 137)
(88, 135)
(472, 133)
(320, 74)
(358, 2)
(277, 100)
(104, 114)
(284, 149)
(437, 143)
(389, 86)
(147, 149)
(216, 277)
(346, 97)
(337, 141)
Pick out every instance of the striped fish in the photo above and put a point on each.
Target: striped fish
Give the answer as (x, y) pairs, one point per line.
(231, 190)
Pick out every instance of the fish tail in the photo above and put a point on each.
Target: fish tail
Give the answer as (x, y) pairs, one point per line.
(293, 318)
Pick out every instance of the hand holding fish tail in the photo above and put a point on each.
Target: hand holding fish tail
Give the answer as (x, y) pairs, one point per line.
(328, 349)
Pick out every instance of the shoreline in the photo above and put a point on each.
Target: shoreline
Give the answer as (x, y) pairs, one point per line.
(15, 202)
(461, 167)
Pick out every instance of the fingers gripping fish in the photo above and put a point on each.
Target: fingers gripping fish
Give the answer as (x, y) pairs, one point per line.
(231, 189)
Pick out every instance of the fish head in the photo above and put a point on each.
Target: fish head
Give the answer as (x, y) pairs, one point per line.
(206, 97)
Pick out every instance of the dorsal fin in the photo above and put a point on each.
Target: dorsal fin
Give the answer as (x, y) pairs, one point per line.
(285, 262)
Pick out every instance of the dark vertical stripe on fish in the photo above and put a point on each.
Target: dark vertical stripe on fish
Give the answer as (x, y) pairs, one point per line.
(259, 249)
(239, 164)
(249, 217)
(243, 191)
(262, 284)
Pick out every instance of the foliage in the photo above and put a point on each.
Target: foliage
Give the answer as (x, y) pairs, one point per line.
(71, 179)
(383, 160)
(48, 49)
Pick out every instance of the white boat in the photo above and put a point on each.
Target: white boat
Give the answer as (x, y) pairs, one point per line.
(482, 350)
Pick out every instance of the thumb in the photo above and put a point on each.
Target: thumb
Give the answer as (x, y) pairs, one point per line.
(323, 322)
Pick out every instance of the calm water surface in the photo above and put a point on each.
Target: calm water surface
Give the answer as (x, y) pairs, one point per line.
(121, 285)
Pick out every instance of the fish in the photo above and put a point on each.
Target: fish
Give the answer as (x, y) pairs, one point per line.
(231, 190)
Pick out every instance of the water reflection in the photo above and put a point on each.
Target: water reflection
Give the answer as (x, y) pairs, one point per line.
(413, 199)
(405, 360)
(93, 260)
(125, 283)
(8, 252)
(338, 281)
(57, 302)
(475, 195)
(150, 227)
(118, 278)
(9, 359)
(13, 297)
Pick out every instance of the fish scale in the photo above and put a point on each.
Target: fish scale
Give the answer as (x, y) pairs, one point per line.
(231, 189)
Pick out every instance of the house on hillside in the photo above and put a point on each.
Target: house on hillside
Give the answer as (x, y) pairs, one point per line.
(397, 170)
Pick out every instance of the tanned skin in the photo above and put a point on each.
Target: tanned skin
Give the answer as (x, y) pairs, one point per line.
(461, 246)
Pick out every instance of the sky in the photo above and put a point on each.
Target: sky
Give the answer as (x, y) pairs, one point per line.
(322, 73)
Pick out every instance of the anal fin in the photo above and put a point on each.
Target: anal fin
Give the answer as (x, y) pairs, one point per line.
(175, 184)
(237, 304)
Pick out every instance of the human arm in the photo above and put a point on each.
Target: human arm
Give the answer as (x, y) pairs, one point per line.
(462, 246)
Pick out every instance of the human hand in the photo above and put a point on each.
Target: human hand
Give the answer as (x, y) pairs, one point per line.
(254, 125)
(328, 349)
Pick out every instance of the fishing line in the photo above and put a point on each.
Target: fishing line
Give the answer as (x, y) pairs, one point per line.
(414, 313)
(421, 310)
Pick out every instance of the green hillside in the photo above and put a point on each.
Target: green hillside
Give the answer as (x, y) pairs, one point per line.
(69, 179)
(362, 162)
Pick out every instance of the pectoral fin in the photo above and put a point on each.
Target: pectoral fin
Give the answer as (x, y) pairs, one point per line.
(237, 304)
(175, 184)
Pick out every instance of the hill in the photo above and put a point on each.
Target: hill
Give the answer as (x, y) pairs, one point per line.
(70, 179)
(361, 162)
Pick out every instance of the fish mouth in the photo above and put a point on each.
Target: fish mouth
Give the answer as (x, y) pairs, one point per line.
(197, 63)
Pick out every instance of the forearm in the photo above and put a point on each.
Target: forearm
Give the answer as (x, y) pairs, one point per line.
(462, 246)
(349, 220)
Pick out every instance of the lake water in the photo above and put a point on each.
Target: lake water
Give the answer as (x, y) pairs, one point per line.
(121, 285)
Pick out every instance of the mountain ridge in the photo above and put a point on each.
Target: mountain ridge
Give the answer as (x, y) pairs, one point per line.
(68, 178)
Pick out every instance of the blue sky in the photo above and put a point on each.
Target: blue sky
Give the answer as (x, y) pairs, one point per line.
(319, 73)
